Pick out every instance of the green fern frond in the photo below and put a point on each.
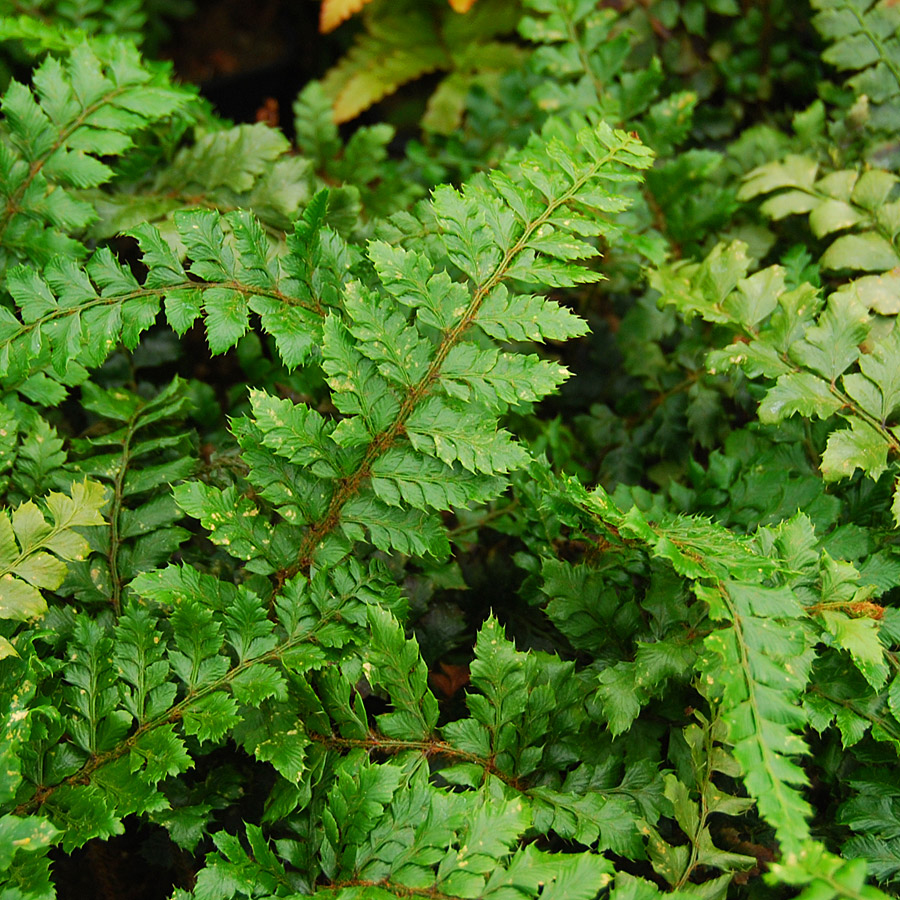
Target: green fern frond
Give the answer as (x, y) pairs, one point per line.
(251, 167)
(71, 317)
(399, 387)
(58, 26)
(400, 670)
(864, 40)
(457, 844)
(229, 672)
(412, 430)
(57, 134)
(861, 203)
(96, 725)
(677, 863)
(25, 865)
(582, 56)
(141, 532)
(756, 667)
(39, 459)
(814, 356)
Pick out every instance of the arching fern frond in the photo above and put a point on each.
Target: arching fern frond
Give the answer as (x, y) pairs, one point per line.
(69, 318)
(419, 392)
(56, 135)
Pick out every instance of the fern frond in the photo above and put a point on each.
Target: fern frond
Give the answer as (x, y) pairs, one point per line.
(510, 714)
(864, 40)
(40, 457)
(249, 167)
(581, 55)
(405, 43)
(230, 672)
(419, 409)
(757, 666)
(96, 725)
(70, 318)
(813, 355)
(25, 864)
(17, 721)
(56, 135)
(707, 758)
(33, 551)
(398, 51)
(400, 388)
(457, 844)
(139, 658)
(234, 867)
(400, 670)
(59, 26)
(847, 200)
(141, 531)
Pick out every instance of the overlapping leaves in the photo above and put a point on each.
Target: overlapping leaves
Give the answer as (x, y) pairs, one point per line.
(33, 551)
(80, 111)
(418, 391)
(70, 318)
(814, 355)
(863, 38)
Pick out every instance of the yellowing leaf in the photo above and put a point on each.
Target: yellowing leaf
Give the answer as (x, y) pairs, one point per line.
(82, 508)
(25, 537)
(333, 12)
(42, 570)
(19, 600)
(29, 525)
(6, 648)
(859, 636)
(385, 69)
(461, 6)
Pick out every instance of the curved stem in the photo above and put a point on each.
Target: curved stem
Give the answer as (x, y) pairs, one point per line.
(350, 486)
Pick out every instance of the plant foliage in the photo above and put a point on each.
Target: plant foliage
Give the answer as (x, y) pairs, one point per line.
(321, 576)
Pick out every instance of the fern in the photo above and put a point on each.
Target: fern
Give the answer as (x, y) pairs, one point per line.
(753, 702)
(39, 458)
(583, 63)
(871, 814)
(102, 304)
(812, 354)
(754, 680)
(336, 612)
(585, 59)
(44, 25)
(97, 790)
(252, 168)
(401, 44)
(362, 163)
(677, 863)
(32, 551)
(222, 695)
(80, 110)
(840, 200)
(402, 392)
(141, 534)
(863, 40)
